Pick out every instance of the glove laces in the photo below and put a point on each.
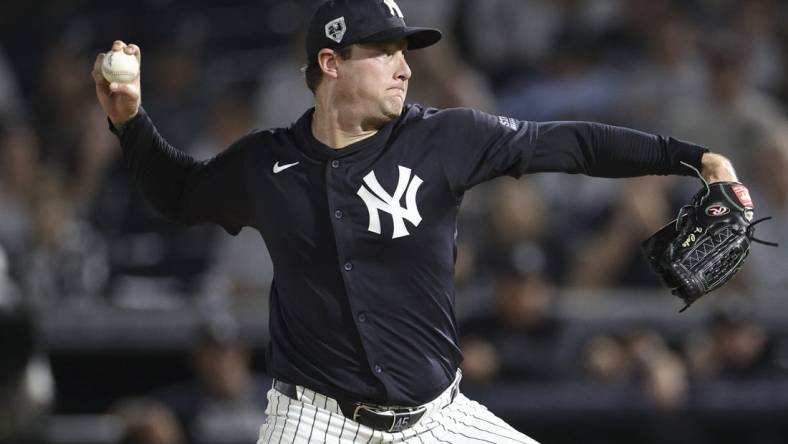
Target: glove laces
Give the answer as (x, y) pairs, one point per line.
(760, 241)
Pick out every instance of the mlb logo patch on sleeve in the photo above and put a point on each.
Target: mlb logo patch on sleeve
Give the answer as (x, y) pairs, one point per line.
(509, 122)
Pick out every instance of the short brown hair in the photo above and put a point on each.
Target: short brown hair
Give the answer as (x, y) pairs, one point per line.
(312, 72)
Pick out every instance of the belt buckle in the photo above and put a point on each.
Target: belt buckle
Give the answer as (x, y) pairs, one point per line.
(355, 411)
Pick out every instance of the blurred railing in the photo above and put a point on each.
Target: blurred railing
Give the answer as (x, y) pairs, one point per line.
(104, 326)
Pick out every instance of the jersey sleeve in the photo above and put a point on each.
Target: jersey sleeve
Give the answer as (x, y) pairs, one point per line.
(480, 146)
(483, 146)
(601, 150)
(183, 190)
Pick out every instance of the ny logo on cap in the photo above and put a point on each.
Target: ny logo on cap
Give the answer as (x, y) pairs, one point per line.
(393, 8)
(335, 29)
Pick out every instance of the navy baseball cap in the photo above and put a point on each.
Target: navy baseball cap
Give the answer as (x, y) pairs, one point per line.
(339, 23)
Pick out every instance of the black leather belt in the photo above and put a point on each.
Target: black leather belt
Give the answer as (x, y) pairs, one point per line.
(374, 416)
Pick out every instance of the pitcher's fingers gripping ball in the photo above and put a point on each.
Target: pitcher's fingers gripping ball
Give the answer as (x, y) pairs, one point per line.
(119, 67)
(117, 77)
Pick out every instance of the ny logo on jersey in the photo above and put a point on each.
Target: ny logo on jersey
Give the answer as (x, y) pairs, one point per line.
(394, 8)
(377, 199)
(335, 29)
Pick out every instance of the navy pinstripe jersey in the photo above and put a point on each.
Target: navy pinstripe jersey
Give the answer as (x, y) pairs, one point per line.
(363, 238)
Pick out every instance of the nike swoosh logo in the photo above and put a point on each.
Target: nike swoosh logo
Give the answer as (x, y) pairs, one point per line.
(279, 168)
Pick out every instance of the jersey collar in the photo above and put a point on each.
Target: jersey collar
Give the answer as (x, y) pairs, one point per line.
(317, 149)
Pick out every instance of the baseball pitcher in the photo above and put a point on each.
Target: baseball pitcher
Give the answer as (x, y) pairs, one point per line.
(357, 202)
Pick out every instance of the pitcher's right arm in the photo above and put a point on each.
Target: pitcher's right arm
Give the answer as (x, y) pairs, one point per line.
(182, 189)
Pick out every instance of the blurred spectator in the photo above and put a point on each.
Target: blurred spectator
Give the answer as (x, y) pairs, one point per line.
(229, 118)
(756, 21)
(71, 134)
(766, 267)
(61, 104)
(152, 262)
(18, 173)
(521, 339)
(732, 113)
(666, 378)
(641, 360)
(65, 259)
(225, 403)
(518, 223)
(669, 69)
(72, 127)
(9, 291)
(629, 23)
(11, 106)
(96, 151)
(26, 383)
(171, 97)
(735, 347)
(611, 254)
(606, 360)
(241, 267)
(569, 85)
(147, 421)
(282, 95)
(505, 37)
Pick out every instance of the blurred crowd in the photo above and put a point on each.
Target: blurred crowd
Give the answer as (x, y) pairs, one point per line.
(76, 234)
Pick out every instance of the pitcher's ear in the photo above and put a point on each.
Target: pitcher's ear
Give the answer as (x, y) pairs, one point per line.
(327, 59)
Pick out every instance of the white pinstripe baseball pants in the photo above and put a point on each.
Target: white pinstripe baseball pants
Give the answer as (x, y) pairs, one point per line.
(315, 418)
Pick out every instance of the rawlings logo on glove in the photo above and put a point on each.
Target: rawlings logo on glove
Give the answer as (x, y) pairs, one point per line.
(707, 243)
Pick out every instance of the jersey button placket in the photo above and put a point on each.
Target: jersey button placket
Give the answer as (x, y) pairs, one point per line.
(344, 237)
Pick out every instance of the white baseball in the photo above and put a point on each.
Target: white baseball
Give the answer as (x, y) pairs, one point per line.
(119, 67)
